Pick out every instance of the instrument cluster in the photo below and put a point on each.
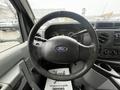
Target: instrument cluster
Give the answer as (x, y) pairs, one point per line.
(70, 30)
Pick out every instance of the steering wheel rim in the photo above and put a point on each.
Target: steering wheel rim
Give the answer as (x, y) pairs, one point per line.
(33, 50)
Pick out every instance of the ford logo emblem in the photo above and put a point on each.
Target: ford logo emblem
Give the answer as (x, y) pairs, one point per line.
(61, 49)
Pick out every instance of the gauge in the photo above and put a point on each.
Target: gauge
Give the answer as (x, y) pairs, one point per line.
(71, 34)
(55, 34)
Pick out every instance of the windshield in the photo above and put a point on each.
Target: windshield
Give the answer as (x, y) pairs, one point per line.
(93, 10)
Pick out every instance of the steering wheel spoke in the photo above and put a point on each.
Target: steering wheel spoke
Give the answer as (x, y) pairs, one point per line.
(77, 66)
(79, 33)
(85, 51)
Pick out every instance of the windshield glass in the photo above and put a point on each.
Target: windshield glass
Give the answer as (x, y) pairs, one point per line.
(91, 9)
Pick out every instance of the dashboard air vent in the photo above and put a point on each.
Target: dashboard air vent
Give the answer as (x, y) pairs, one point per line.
(103, 38)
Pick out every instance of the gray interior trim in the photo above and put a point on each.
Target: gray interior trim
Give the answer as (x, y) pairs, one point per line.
(28, 9)
(12, 77)
(28, 75)
(5, 87)
(98, 81)
(11, 57)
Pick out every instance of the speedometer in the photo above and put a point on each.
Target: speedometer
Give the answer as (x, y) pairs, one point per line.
(58, 34)
(55, 34)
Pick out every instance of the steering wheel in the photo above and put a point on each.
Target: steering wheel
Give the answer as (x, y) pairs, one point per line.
(63, 49)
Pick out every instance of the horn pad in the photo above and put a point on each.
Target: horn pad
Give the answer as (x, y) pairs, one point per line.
(61, 50)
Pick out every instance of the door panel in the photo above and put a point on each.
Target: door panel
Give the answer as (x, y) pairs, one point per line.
(10, 73)
(5, 87)
(11, 57)
(12, 77)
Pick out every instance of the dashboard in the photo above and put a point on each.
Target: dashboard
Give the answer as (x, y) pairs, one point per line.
(109, 39)
(109, 43)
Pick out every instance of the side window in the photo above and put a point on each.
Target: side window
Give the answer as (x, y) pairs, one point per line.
(10, 34)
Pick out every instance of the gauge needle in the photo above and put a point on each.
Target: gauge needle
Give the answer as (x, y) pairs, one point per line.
(80, 32)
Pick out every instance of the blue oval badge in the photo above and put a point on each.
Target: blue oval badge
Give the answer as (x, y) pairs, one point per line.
(61, 49)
